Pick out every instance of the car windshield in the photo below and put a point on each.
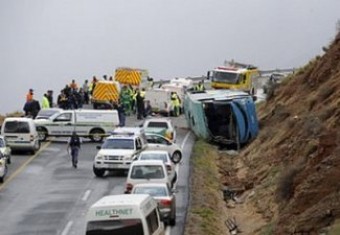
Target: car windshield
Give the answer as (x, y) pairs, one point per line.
(153, 191)
(157, 125)
(118, 144)
(225, 77)
(153, 156)
(147, 172)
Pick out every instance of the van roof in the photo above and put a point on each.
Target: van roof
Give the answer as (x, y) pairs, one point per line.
(18, 119)
(121, 200)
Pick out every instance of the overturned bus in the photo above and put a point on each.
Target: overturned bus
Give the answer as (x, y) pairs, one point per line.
(222, 116)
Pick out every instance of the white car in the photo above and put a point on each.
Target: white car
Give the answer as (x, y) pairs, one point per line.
(163, 195)
(3, 168)
(161, 126)
(159, 142)
(162, 156)
(147, 171)
(5, 149)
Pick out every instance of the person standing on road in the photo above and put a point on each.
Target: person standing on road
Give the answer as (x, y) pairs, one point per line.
(74, 144)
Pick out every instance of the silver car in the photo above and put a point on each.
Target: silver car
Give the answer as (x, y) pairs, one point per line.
(163, 195)
(162, 155)
(158, 142)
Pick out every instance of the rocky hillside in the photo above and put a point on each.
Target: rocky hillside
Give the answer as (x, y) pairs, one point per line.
(291, 172)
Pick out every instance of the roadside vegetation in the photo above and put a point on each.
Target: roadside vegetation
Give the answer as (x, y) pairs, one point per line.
(206, 213)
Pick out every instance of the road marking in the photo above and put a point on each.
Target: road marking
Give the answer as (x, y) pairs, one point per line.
(185, 139)
(167, 230)
(67, 228)
(86, 195)
(21, 168)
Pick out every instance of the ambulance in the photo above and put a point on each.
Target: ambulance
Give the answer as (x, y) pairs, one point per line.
(93, 124)
(104, 93)
(136, 214)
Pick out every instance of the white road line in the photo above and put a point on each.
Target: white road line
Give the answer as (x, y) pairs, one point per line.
(67, 228)
(167, 230)
(86, 195)
(185, 139)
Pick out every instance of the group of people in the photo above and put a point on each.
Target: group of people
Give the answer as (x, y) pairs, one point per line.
(32, 106)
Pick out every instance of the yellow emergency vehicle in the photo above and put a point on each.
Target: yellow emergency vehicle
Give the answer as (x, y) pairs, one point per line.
(131, 76)
(104, 92)
(234, 76)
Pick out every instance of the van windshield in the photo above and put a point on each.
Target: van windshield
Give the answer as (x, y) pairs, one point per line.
(118, 144)
(17, 127)
(116, 227)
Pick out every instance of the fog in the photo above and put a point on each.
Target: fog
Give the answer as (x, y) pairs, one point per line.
(46, 44)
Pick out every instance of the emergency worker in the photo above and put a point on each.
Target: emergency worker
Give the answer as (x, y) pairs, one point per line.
(200, 86)
(45, 104)
(125, 99)
(176, 104)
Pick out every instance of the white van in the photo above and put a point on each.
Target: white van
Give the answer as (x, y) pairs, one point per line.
(160, 100)
(124, 214)
(95, 124)
(20, 134)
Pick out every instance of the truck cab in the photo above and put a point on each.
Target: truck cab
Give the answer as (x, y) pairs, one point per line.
(234, 77)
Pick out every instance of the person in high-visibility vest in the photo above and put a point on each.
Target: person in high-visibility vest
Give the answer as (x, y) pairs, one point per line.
(125, 99)
(175, 102)
(45, 104)
(200, 87)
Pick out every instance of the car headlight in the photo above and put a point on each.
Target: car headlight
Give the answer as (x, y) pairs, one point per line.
(99, 157)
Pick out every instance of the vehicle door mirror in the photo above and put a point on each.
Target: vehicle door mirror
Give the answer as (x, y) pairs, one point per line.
(98, 147)
(208, 75)
(174, 191)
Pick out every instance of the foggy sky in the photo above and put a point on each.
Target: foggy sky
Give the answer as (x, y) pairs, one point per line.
(46, 43)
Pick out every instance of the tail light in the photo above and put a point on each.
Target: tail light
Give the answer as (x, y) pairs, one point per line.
(128, 188)
(165, 202)
(31, 138)
(168, 168)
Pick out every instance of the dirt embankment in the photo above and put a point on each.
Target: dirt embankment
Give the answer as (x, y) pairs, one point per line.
(287, 180)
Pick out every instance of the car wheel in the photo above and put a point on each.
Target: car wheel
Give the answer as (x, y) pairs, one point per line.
(172, 221)
(42, 134)
(98, 172)
(97, 135)
(176, 157)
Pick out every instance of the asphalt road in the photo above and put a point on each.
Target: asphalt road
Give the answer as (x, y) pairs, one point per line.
(44, 195)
